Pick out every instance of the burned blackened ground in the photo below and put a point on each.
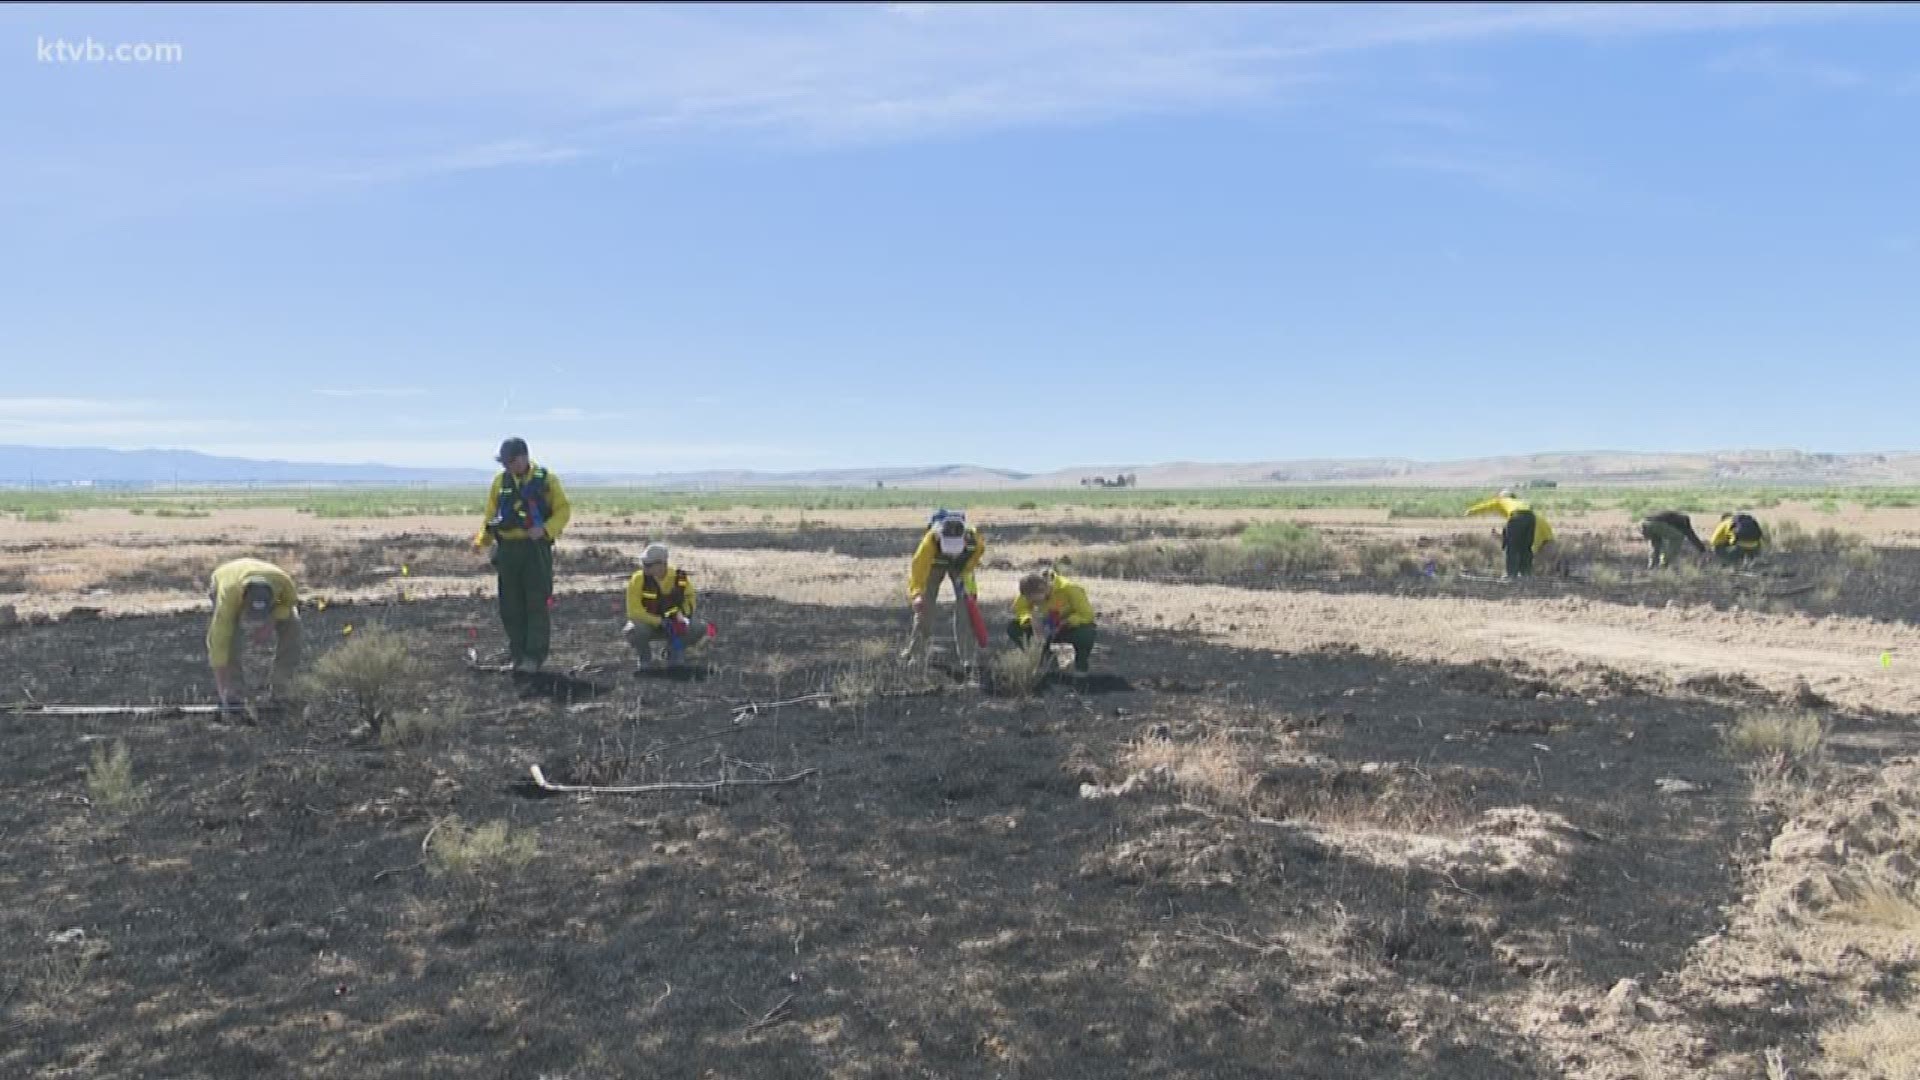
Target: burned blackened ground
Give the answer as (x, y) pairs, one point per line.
(939, 899)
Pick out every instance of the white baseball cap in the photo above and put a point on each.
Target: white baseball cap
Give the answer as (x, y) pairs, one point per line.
(953, 535)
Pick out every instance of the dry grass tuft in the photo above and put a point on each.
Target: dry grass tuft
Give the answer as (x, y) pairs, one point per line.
(1017, 673)
(874, 650)
(424, 727)
(458, 850)
(863, 681)
(1879, 904)
(1782, 740)
(1882, 1044)
(1213, 769)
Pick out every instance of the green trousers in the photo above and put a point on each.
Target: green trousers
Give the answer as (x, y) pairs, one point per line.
(1080, 637)
(525, 572)
(1669, 543)
(1517, 540)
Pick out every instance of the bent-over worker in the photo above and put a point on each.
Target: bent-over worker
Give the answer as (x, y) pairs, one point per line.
(1667, 531)
(950, 549)
(259, 597)
(1738, 539)
(1523, 536)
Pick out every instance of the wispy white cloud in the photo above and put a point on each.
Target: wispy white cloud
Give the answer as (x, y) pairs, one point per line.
(1774, 65)
(117, 424)
(70, 408)
(397, 94)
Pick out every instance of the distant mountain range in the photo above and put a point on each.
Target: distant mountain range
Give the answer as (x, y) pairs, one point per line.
(35, 466)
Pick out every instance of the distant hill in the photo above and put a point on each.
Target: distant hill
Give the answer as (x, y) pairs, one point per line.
(40, 466)
(43, 466)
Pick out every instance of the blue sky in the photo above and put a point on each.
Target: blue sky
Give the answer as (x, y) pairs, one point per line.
(663, 239)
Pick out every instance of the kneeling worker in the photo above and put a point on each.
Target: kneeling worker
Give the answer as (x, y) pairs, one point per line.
(260, 596)
(1061, 609)
(1666, 531)
(1738, 539)
(660, 603)
(1524, 535)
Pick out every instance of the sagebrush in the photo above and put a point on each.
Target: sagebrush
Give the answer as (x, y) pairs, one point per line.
(374, 673)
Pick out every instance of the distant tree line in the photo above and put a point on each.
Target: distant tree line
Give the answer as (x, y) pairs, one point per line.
(1120, 481)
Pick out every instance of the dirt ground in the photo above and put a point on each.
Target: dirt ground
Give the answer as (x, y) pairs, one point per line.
(1303, 829)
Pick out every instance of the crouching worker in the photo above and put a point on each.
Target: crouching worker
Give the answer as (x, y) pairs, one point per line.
(951, 548)
(258, 596)
(1738, 539)
(1667, 531)
(1524, 535)
(660, 604)
(1060, 610)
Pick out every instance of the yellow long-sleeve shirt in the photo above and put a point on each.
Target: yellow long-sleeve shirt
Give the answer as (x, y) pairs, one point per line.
(229, 586)
(1723, 538)
(1066, 605)
(928, 555)
(649, 601)
(558, 510)
(1506, 507)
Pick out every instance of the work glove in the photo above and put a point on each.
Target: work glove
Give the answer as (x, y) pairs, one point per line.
(919, 603)
(627, 629)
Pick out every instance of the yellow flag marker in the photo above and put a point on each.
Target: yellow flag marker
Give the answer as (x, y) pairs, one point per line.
(404, 571)
(348, 629)
(320, 604)
(1886, 659)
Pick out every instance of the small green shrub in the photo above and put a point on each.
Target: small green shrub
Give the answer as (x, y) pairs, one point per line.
(1286, 547)
(374, 672)
(110, 783)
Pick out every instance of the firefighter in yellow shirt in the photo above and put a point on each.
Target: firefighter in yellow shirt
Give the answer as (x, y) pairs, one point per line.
(660, 604)
(526, 512)
(1524, 534)
(951, 549)
(1738, 539)
(1050, 604)
(259, 597)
